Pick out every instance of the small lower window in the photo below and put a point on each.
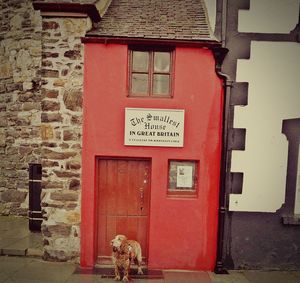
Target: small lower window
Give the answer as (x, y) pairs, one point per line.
(183, 177)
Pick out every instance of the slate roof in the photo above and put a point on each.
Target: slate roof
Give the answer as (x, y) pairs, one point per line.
(66, 1)
(155, 19)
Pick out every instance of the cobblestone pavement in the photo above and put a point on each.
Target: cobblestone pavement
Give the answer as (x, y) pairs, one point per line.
(20, 269)
(21, 262)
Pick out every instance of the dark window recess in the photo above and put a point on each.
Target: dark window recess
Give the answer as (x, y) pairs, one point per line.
(291, 207)
(35, 213)
(150, 72)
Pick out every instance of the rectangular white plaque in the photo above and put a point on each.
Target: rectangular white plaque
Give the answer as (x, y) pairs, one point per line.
(154, 127)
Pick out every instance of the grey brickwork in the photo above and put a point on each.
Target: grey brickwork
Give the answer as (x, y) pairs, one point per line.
(61, 128)
(41, 78)
(20, 97)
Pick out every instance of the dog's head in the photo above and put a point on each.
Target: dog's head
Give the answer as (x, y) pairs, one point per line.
(117, 241)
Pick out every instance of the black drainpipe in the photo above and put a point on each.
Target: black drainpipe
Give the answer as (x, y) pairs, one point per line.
(219, 54)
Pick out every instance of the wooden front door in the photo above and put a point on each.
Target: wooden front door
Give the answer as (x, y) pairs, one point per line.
(123, 203)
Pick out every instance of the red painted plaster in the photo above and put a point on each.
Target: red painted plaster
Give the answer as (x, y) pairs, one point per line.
(182, 232)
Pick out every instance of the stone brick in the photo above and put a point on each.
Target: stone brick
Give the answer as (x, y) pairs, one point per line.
(73, 100)
(50, 25)
(49, 93)
(11, 150)
(49, 55)
(25, 150)
(64, 72)
(74, 185)
(5, 70)
(73, 54)
(50, 73)
(64, 196)
(66, 174)
(51, 117)
(59, 82)
(2, 107)
(3, 120)
(73, 218)
(76, 120)
(70, 205)
(49, 144)
(50, 154)
(52, 184)
(69, 135)
(27, 106)
(73, 165)
(57, 230)
(14, 86)
(76, 146)
(48, 105)
(27, 85)
(2, 88)
(46, 132)
(13, 196)
(47, 63)
(49, 163)
(64, 145)
(2, 138)
(27, 96)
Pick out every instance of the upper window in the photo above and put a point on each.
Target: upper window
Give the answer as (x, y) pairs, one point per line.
(150, 73)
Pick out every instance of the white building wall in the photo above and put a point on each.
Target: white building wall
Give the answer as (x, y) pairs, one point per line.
(211, 11)
(269, 16)
(273, 73)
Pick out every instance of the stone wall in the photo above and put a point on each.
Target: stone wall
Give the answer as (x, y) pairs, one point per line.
(41, 85)
(61, 127)
(20, 102)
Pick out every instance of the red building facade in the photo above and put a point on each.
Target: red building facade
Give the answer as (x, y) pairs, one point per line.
(164, 195)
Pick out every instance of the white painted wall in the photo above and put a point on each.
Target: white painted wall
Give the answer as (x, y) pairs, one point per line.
(273, 73)
(211, 11)
(269, 16)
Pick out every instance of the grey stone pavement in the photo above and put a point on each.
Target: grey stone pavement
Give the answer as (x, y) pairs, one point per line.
(21, 262)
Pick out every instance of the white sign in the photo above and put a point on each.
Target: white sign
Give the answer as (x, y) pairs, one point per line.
(154, 127)
(184, 177)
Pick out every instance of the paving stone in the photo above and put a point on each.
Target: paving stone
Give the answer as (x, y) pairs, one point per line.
(43, 271)
(232, 277)
(272, 276)
(188, 276)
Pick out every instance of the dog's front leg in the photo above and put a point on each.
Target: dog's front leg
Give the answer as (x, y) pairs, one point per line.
(126, 271)
(138, 261)
(140, 271)
(117, 273)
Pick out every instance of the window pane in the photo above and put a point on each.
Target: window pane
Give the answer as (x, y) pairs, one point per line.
(140, 61)
(162, 62)
(161, 84)
(139, 83)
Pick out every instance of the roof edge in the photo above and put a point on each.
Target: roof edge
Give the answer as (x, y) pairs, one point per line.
(77, 8)
(153, 41)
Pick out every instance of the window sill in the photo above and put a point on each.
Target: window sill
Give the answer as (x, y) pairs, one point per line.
(291, 219)
(182, 194)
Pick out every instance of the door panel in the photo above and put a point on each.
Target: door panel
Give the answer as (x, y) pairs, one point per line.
(123, 203)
